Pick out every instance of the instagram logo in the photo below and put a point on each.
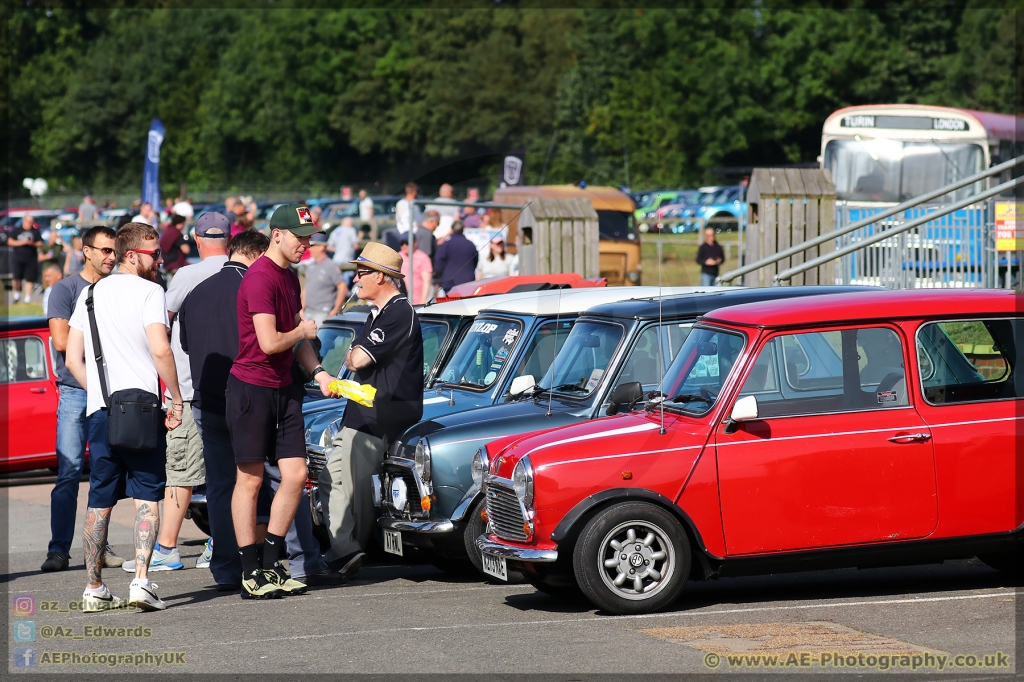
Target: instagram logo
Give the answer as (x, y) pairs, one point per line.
(24, 605)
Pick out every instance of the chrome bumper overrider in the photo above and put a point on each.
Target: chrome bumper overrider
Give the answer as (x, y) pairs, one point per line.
(540, 556)
(407, 526)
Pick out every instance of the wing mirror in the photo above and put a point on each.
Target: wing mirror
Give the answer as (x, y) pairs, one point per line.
(520, 384)
(744, 410)
(624, 393)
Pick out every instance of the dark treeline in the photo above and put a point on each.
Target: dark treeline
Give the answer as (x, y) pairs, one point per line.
(284, 97)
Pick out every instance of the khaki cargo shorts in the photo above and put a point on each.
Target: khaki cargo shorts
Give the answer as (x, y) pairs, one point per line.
(185, 464)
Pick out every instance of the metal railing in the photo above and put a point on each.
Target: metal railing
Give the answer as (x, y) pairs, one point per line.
(871, 220)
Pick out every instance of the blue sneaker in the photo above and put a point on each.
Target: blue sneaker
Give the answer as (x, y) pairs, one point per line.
(160, 561)
(204, 559)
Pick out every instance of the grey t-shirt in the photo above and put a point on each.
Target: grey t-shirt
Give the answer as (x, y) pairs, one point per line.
(322, 285)
(63, 298)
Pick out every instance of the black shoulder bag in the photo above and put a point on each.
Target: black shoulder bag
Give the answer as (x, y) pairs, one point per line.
(133, 415)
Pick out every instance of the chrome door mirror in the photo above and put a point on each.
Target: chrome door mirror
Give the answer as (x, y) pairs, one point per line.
(520, 384)
(744, 410)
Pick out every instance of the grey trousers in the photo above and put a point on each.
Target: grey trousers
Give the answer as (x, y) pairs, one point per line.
(347, 492)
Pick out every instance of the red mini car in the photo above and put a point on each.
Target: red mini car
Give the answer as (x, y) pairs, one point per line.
(27, 375)
(855, 430)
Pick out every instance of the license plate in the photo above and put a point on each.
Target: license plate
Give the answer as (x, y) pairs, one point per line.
(393, 542)
(495, 565)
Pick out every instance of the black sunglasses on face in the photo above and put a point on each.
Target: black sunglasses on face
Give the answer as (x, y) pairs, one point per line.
(360, 273)
(106, 251)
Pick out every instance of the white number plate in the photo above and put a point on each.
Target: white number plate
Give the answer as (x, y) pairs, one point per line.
(393, 542)
(495, 565)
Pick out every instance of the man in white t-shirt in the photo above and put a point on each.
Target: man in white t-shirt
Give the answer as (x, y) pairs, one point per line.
(445, 211)
(342, 241)
(131, 322)
(186, 466)
(184, 208)
(147, 216)
(365, 207)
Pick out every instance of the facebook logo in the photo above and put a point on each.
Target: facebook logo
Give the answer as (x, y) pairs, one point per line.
(24, 631)
(24, 657)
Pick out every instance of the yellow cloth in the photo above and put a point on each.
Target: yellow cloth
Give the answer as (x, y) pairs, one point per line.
(361, 393)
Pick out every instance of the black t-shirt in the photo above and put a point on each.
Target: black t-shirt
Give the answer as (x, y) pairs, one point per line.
(395, 343)
(706, 251)
(29, 252)
(208, 327)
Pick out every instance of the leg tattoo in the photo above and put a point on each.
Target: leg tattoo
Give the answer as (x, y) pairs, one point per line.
(94, 541)
(147, 526)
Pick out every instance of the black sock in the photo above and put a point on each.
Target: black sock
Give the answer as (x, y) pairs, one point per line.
(259, 553)
(250, 560)
(273, 550)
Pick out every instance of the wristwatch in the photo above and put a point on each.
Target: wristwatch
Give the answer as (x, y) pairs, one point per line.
(317, 370)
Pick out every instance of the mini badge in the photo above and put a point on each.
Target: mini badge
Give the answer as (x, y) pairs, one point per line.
(377, 336)
(305, 218)
(886, 397)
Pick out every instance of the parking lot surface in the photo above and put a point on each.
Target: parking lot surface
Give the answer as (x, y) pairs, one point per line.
(416, 619)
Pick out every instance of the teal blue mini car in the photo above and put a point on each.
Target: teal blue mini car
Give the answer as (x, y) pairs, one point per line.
(429, 494)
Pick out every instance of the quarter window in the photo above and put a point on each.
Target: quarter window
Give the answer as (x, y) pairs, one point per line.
(544, 346)
(967, 361)
(825, 372)
(24, 360)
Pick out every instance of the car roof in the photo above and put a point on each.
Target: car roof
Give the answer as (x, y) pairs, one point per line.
(579, 300)
(23, 323)
(464, 307)
(343, 319)
(874, 305)
(688, 305)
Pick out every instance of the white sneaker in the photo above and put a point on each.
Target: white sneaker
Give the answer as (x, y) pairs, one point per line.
(98, 599)
(143, 596)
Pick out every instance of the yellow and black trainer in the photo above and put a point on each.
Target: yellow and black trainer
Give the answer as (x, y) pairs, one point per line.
(279, 576)
(260, 585)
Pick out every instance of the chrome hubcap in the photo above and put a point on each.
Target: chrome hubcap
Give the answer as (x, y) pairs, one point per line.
(637, 560)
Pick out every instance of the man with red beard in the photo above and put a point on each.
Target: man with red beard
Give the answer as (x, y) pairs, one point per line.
(263, 405)
(131, 326)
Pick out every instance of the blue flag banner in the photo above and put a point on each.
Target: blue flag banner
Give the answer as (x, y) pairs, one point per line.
(151, 171)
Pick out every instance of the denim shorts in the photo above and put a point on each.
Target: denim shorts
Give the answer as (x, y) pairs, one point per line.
(116, 474)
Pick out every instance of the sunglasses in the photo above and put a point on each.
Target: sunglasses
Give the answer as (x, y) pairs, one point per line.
(361, 273)
(155, 253)
(106, 251)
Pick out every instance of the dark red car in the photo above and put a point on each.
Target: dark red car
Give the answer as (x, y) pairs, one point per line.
(30, 385)
(855, 430)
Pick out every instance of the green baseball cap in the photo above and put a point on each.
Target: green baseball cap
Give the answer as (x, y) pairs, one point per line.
(295, 218)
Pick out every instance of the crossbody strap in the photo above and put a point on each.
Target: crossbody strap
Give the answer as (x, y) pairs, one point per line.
(97, 349)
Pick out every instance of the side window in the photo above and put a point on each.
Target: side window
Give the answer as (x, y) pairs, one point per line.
(24, 360)
(543, 348)
(642, 362)
(967, 361)
(825, 372)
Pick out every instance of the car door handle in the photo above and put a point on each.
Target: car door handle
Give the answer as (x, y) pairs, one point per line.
(911, 438)
(37, 390)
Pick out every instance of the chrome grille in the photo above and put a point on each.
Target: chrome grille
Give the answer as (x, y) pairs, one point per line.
(504, 511)
(316, 460)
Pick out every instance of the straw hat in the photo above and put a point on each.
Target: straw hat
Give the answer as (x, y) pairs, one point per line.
(381, 258)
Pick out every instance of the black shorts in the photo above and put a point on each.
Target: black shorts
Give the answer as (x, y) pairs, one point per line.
(25, 269)
(265, 424)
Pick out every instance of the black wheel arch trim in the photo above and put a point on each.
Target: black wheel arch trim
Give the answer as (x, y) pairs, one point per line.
(622, 495)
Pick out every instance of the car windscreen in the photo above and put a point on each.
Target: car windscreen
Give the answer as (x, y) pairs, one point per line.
(334, 343)
(616, 225)
(483, 351)
(434, 332)
(583, 359)
(695, 378)
(893, 171)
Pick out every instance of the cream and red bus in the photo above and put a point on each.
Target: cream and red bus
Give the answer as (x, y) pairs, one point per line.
(889, 153)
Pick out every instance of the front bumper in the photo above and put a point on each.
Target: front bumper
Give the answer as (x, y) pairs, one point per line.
(539, 556)
(409, 526)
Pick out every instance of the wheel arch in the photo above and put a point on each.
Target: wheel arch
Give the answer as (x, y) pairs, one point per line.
(571, 524)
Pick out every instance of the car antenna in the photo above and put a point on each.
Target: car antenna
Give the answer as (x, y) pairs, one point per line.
(661, 347)
(554, 352)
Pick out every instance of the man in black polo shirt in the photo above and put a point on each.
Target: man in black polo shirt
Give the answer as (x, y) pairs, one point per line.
(388, 355)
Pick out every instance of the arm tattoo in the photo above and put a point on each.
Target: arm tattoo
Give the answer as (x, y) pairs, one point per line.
(147, 526)
(94, 541)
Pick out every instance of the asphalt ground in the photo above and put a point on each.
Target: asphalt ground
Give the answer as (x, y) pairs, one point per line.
(399, 619)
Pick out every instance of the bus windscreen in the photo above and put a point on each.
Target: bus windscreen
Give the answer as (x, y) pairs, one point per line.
(893, 171)
(616, 225)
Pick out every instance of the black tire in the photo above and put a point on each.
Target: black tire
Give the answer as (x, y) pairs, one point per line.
(474, 528)
(658, 564)
(199, 517)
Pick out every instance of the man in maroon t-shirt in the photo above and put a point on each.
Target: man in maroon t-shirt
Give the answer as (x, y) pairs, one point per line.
(264, 407)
